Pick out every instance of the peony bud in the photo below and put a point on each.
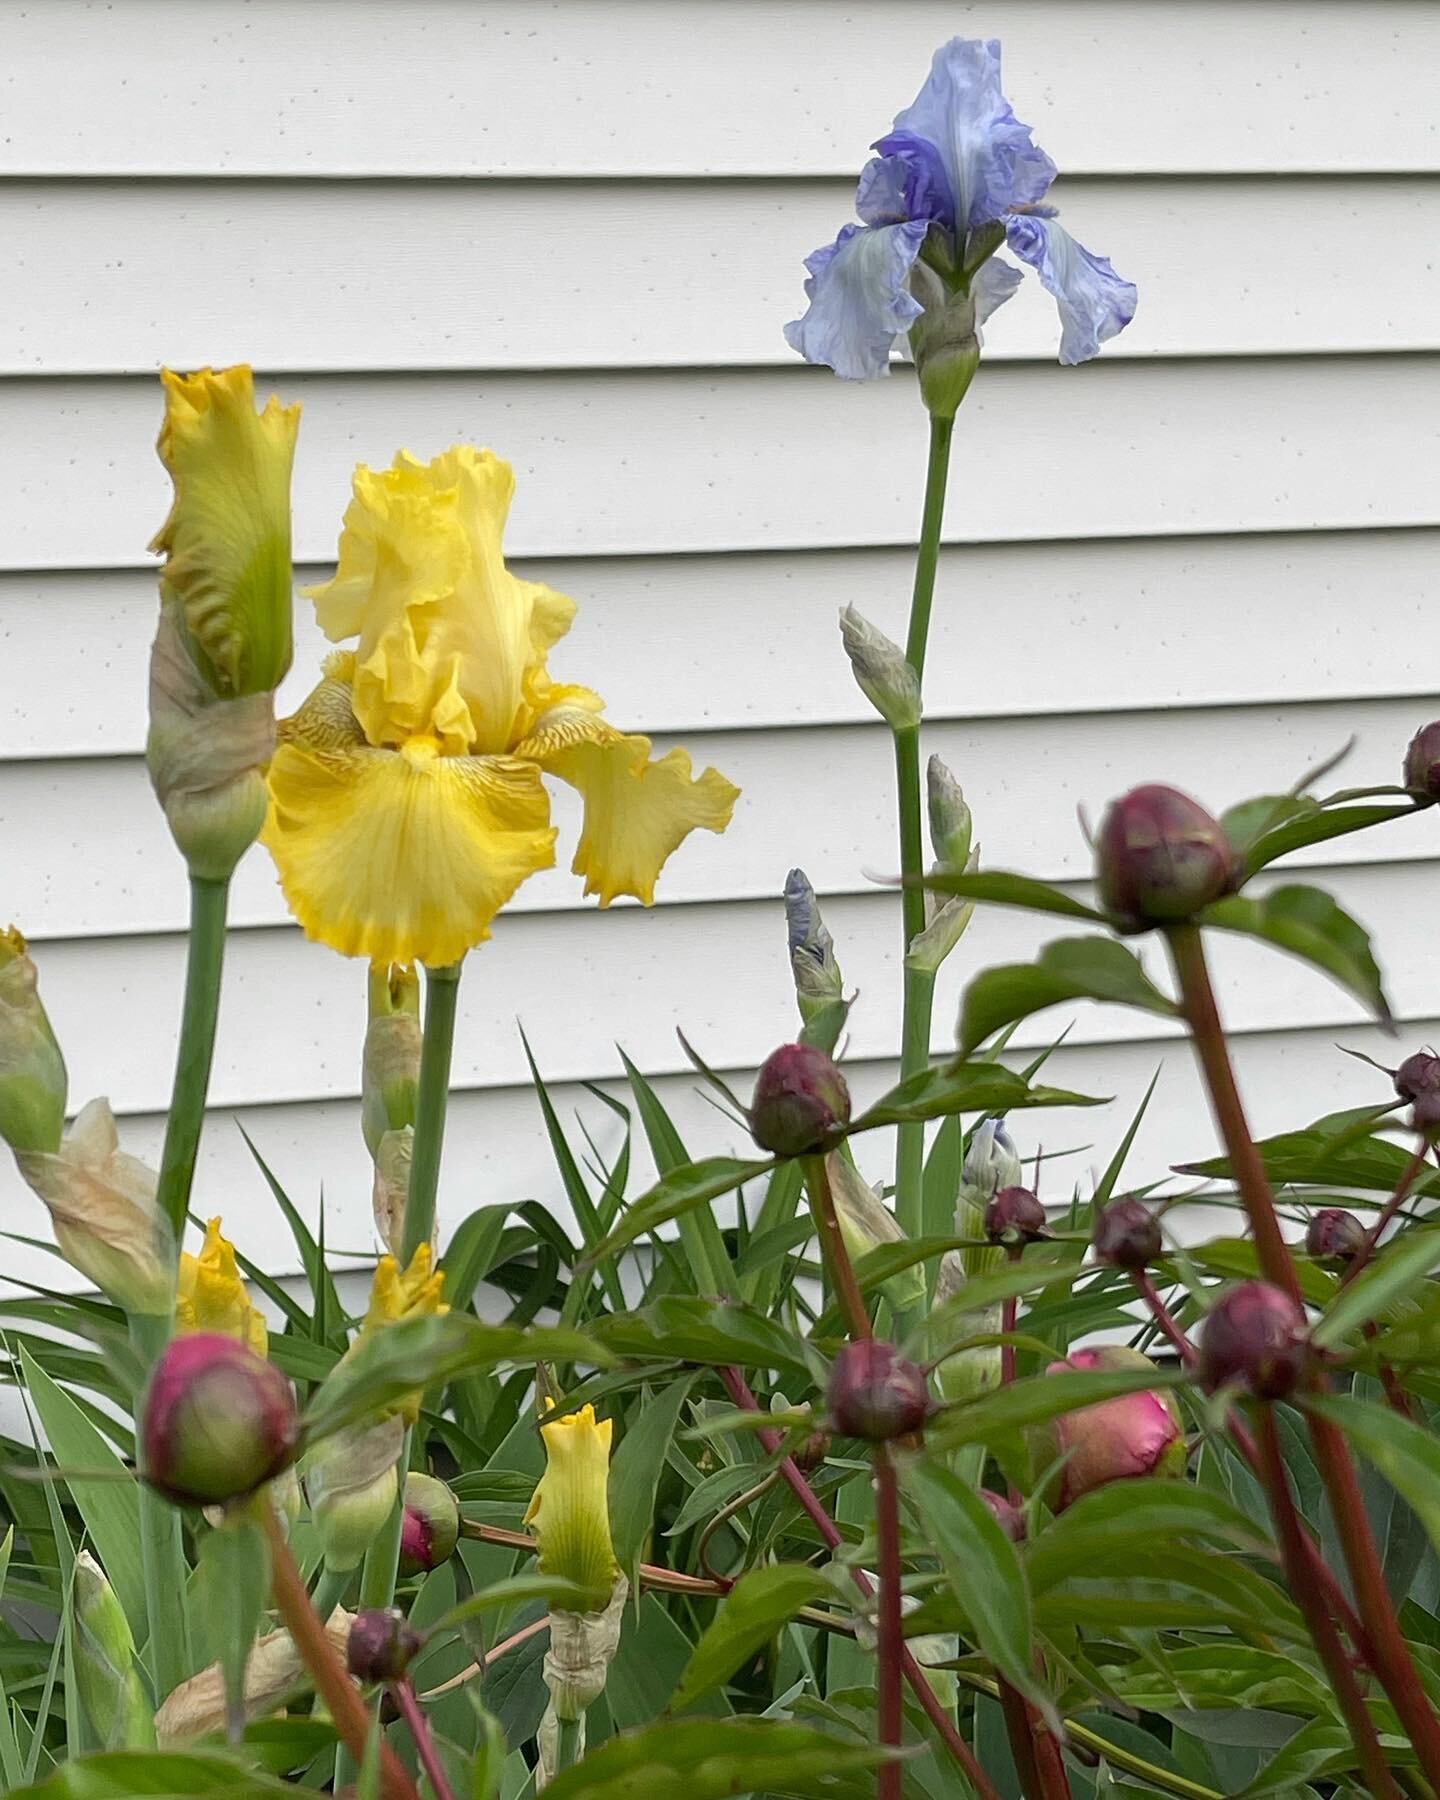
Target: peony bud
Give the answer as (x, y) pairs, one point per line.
(1115, 1440)
(431, 1526)
(382, 1645)
(881, 671)
(1160, 857)
(1418, 1081)
(217, 1421)
(32, 1070)
(390, 1065)
(1422, 762)
(875, 1393)
(1255, 1338)
(801, 1105)
(111, 1691)
(1009, 1518)
(1126, 1235)
(812, 1451)
(819, 989)
(1014, 1217)
(1334, 1236)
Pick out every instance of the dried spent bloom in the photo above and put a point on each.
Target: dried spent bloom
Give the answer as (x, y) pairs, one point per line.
(1255, 1338)
(1015, 1216)
(217, 1421)
(275, 1674)
(1422, 762)
(382, 1644)
(801, 1104)
(212, 1296)
(1115, 1440)
(1160, 857)
(1334, 1236)
(876, 1394)
(430, 1528)
(32, 1070)
(1126, 1234)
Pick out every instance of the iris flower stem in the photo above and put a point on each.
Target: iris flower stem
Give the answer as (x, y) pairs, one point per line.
(162, 1549)
(919, 984)
(1388, 1652)
(441, 991)
(204, 961)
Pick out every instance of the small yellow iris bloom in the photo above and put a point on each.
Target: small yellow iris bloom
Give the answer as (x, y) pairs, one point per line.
(211, 1295)
(407, 800)
(415, 1292)
(570, 1509)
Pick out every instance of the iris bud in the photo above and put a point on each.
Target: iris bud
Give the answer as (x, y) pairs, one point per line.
(875, 1393)
(819, 987)
(430, 1529)
(218, 1421)
(881, 671)
(32, 1070)
(1255, 1338)
(1334, 1236)
(1015, 1216)
(1422, 762)
(382, 1644)
(1160, 857)
(1115, 1440)
(801, 1104)
(111, 1691)
(352, 1479)
(390, 1065)
(1009, 1518)
(865, 1224)
(1126, 1235)
(951, 823)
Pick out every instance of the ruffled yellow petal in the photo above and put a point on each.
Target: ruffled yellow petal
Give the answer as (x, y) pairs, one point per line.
(398, 855)
(452, 645)
(414, 1292)
(637, 812)
(213, 1297)
(227, 537)
(570, 1509)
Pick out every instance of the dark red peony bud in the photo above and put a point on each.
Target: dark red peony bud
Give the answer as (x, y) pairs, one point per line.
(218, 1421)
(812, 1450)
(1334, 1236)
(1160, 857)
(801, 1104)
(1418, 1081)
(1115, 1440)
(1422, 762)
(1126, 1235)
(382, 1644)
(1015, 1216)
(430, 1529)
(1255, 1338)
(875, 1393)
(1009, 1518)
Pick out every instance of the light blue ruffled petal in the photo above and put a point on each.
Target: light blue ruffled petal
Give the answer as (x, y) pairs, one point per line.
(910, 178)
(990, 158)
(859, 299)
(991, 285)
(1093, 301)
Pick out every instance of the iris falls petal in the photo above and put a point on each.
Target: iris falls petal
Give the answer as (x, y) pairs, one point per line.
(860, 299)
(1094, 303)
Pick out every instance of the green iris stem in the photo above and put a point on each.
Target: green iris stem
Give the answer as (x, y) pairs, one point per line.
(919, 984)
(331, 1587)
(208, 901)
(567, 1744)
(442, 988)
(162, 1549)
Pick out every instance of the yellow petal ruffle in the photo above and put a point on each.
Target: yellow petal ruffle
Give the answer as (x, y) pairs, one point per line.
(452, 645)
(570, 1509)
(637, 812)
(213, 1297)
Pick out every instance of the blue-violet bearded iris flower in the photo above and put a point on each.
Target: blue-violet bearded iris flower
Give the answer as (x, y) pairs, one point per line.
(957, 177)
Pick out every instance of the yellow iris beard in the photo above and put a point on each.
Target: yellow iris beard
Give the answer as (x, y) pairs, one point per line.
(407, 804)
(571, 1507)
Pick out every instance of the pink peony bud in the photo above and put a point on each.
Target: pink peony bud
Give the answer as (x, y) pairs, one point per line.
(1126, 1235)
(1160, 857)
(1255, 1338)
(382, 1644)
(1334, 1236)
(431, 1526)
(875, 1393)
(801, 1105)
(1418, 1081)
(1009, 1518)
(1115, 1440)
(1015, 1216)
(1422, 762)
(218, 1421)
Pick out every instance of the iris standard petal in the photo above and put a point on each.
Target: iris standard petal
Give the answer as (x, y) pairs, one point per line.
(1094, 303)
(637, 812)
(860, 299)
(991, 286)
(990, 157)
(908, 180)
(402, 855)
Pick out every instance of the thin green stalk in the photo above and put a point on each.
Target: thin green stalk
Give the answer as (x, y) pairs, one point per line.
(208, 900)
(919, 988)
(162, 1551)
(331, 1587)
(441, 990)
(569, 1744)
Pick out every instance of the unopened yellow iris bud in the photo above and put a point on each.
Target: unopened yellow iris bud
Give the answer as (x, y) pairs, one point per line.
(571, 1506)
(32, 1070)
(213, 1297)
(415, 1292)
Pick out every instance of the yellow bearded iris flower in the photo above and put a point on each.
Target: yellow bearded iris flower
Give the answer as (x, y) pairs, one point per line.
(211, 1296)
(571, 1506)
(415, 1292)
(407, 801)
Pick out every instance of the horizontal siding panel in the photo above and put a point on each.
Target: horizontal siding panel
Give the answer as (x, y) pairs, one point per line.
(496, 1147)
(677, 643)
(653, 274)
(293, 1015)
(768, 459)
(697, 86)
(98, 861)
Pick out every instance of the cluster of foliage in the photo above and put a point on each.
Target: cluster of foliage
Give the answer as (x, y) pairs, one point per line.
(757, 1479)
